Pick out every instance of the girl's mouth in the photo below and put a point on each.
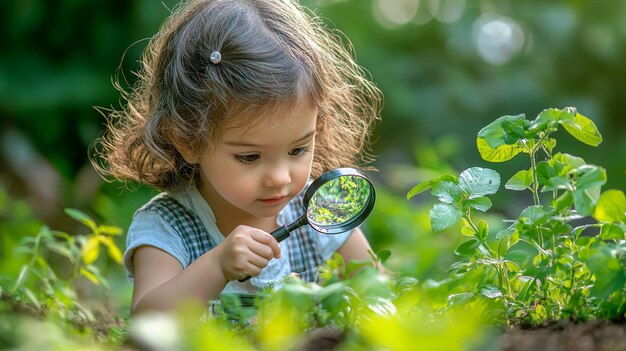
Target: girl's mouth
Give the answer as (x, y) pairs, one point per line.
(274, 200)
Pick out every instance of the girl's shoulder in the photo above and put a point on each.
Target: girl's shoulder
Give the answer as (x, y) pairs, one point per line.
(171, 205)
(162, 203)
(168, 215)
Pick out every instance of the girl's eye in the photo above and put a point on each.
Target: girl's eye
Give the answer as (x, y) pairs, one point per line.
(247, 159)
(299, 151)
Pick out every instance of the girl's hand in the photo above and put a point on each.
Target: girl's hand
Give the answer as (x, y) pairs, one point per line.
(245, 251)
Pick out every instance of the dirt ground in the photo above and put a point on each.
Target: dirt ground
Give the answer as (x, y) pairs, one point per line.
(568, 336)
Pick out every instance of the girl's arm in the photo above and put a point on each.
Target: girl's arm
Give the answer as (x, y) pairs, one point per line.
(161, 283)
(356, 247)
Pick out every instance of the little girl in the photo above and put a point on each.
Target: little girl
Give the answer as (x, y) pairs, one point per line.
(238, 104)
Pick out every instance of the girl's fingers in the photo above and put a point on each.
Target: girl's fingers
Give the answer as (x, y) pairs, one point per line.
(260, 249)
(268, 240)
(258, 261)
(251, 270)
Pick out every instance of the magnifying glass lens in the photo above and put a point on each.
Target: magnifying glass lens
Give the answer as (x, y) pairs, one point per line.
(339, 201)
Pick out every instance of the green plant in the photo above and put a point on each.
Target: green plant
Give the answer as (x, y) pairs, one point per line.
(46, 286)
(565, 255)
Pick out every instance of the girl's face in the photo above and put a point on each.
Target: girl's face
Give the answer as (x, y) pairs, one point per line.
(256, 170)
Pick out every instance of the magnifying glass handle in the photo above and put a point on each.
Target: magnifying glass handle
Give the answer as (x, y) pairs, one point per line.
(281, 233)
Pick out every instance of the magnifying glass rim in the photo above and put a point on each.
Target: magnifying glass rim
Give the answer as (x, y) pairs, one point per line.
(355, 220)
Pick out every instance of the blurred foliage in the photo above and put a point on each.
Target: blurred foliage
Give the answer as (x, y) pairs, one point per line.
(436, 80)
(429, 58)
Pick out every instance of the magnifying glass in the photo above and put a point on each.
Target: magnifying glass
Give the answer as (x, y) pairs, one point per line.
(335, 202)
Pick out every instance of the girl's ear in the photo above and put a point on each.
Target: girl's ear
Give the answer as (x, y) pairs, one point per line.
(187, 155)
(190, 158)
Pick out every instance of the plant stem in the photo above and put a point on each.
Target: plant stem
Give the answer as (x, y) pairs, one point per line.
(30, 263)
(500, 271)
(492, 254)
(535, 186)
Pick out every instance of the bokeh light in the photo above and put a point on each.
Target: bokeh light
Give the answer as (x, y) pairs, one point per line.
(395, 13)
(446, 11)
(497, 38)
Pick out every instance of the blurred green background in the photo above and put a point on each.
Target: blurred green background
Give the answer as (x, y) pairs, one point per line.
(446, 68)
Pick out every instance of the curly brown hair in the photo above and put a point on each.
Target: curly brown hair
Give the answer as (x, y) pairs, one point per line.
(273, 52)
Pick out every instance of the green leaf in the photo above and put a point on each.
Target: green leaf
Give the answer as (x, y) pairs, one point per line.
(565, 201)
(583, 129)
(506, 242)
(506, 130)
(467, 230)
(32, 297)
(608, 272)
(61, 250)
(423, 186)
(567, 162)
(92, 277)
(590, 176)
(333, 289)
(477, 182)
(528, 289)
(21, 277)
(490, 292)
(549, 144)
(447, 192)
(521, 257)
(534, 214)
(383, 255)
(548, 119)
(611, 207)
(82, 218)
(459, 267)
(443, 216)
(513, 267)
(551, 177)
(514, 129)
(501, 153)
(355, 265)
(480, 203)
(91, 250)
(612, 231)
(467, 248)
(540, 314)
(110, 230)
(520, 180)
(585, 200)
(114, 252)
(483, 230)
(459, 299)
(507, 232)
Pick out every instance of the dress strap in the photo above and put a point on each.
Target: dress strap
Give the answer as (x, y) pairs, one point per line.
(304, 253)
(185, 222)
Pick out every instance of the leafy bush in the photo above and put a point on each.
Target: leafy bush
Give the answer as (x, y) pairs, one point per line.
(565, 255)
(46, 285)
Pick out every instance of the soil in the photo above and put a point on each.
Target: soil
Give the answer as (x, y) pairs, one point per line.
(569, 336)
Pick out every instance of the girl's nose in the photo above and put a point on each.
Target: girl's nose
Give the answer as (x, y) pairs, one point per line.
(277, 176)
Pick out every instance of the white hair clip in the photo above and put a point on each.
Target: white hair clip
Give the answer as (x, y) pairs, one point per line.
(215, 57)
